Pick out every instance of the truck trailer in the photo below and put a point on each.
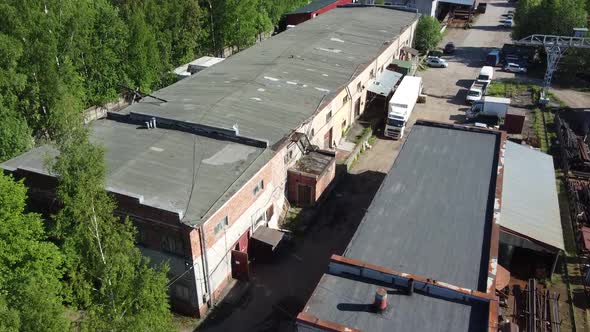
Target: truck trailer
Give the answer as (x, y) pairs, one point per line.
(401, 105)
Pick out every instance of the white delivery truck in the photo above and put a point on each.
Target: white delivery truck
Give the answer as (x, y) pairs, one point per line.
(486, 74)
(401, 106)
(490, 107)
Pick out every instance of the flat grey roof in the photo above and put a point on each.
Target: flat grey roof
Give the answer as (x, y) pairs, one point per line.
(432, 215)
(166, 169)
(347, 302)
(271, 88)
(529, 196)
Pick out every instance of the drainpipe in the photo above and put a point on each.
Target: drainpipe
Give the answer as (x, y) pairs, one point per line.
(206, 266)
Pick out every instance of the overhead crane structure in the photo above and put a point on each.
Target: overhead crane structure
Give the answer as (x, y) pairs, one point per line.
(555, 47)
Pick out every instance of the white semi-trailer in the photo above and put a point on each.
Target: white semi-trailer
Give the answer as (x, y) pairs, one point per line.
(401, 106)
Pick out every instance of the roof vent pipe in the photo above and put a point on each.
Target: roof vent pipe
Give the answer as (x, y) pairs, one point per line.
(147, 125)
(154, 122)
(380, 303)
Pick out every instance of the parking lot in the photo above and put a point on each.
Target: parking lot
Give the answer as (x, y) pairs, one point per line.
(446, 88)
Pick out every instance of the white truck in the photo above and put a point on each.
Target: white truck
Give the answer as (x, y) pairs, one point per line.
(476, 91)
(401, 106)
(486, 74)
(490, 107)
(479, 86)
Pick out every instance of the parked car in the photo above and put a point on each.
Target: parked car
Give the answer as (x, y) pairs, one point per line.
(509, 23)
(514, 68)
(449, 48)
(437, 62)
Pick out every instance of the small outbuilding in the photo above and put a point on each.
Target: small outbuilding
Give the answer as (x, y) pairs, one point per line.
(309, 178)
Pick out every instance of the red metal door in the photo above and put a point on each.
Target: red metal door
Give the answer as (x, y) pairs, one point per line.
(328, 139)
(239, 265)
(242, 244)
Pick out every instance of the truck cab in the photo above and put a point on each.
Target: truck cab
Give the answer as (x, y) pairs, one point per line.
(401, 105)
(396, 124)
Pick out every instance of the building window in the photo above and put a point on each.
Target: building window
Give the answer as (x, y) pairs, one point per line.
(381, 69)
(359, 87)
(312, 132)
(328, 116)
(259, 186)
(344, 125)
(288, 156)
(181, 292)
(345, 100)
(221, 225)
(172, 243)
(372, 74)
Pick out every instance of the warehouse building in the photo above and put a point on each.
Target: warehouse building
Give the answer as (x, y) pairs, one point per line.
(424, 258)
(207, 163)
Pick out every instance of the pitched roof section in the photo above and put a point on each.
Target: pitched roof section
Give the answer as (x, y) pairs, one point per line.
(273, 87)
(529, 198)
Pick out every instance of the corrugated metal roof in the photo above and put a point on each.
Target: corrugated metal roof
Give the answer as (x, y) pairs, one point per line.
(529, 195)
(385, 82)
(314, 6)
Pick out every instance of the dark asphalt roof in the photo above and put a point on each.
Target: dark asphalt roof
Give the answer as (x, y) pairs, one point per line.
(347, 302)
(431, 217)
(432, 213)
(273, 87)
(313, 6)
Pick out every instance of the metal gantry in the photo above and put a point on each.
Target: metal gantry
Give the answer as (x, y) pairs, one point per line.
(555, 47)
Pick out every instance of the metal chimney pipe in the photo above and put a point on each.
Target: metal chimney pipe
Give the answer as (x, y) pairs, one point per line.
(147, 125)
(380, 303)
(154, 122)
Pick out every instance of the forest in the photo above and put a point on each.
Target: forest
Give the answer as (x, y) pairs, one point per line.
(79, 268)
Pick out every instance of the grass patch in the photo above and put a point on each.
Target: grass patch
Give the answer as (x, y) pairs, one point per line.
(507, 88)
(293, 221)
(544, 129)
(362, 134)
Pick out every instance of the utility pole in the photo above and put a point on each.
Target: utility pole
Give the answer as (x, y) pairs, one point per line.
(555, 47)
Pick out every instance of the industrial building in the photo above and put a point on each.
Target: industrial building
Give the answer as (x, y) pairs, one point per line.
(431, 239)
(208, 162)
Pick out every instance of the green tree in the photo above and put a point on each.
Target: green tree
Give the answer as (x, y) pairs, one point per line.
(105, 273)
(428, 33)
(15, 135)
(552, 17)
(30, 267)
